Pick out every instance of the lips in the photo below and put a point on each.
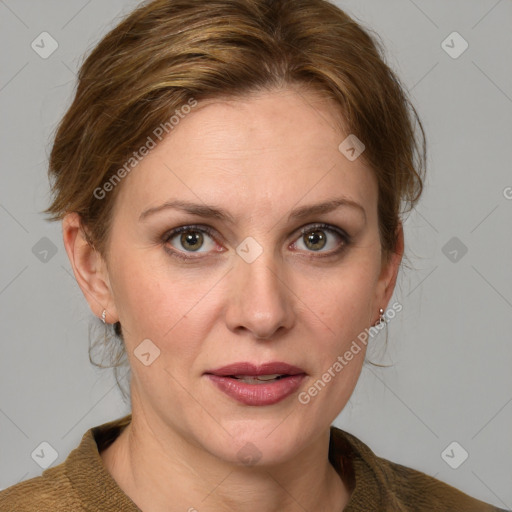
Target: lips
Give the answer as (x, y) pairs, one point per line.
(252, 384)
(253, 370)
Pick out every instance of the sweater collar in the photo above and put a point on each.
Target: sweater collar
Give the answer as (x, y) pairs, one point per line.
(358, 465)
(98, 491)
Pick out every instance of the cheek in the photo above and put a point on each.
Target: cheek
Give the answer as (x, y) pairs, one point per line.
(342, 301)
(343, 307)
(162, 303)
(147, 306)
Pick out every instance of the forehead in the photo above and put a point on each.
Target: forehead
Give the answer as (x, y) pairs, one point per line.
(261, 151)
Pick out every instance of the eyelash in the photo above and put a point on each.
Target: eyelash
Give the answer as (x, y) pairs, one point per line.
(346, 239)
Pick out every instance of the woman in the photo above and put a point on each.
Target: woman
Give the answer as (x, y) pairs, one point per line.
(230, 178)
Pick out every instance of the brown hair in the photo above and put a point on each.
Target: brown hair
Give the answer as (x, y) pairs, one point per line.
(169, 51)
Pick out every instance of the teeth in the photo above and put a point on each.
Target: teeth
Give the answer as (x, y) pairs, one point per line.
(250, 379)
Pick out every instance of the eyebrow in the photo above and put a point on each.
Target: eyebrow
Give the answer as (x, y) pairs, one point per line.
(203, 210)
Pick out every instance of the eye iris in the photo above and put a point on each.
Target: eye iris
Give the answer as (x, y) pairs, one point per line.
(194, 238)
(316, 237)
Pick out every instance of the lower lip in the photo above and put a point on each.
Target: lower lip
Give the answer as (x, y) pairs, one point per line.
(258, 394)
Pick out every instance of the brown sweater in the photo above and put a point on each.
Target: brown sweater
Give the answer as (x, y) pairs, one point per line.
(82, 483)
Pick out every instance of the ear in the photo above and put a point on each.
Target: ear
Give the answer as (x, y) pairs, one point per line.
(389, 271)
(89, 268)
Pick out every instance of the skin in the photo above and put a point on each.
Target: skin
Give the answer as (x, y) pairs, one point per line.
(258, 157)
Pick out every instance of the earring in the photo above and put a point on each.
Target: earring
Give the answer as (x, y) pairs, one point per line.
(103, 315)
(381, 319)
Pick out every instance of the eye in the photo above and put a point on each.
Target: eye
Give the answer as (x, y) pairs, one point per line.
(320, 236)
(189, 239)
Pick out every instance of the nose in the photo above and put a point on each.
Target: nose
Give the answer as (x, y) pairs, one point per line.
(260, 298)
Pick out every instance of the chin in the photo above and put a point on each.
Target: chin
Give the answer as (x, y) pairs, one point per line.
(258, 442)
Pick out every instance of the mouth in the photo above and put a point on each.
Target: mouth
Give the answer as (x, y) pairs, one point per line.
(260, 379)
(251, 384)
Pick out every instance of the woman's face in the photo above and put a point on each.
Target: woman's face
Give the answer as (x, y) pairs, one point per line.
(242, 283)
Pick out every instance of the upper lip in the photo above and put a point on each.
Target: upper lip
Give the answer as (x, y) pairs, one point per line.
(250, 369)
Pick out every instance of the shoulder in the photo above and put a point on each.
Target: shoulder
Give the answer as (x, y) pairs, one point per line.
(50, 492)
(427, 493)
(397, 487)
(78, 484)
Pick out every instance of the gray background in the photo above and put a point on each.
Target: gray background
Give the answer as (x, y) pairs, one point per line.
(450, 347)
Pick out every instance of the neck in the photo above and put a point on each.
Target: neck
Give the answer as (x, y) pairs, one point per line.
(163, 472)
